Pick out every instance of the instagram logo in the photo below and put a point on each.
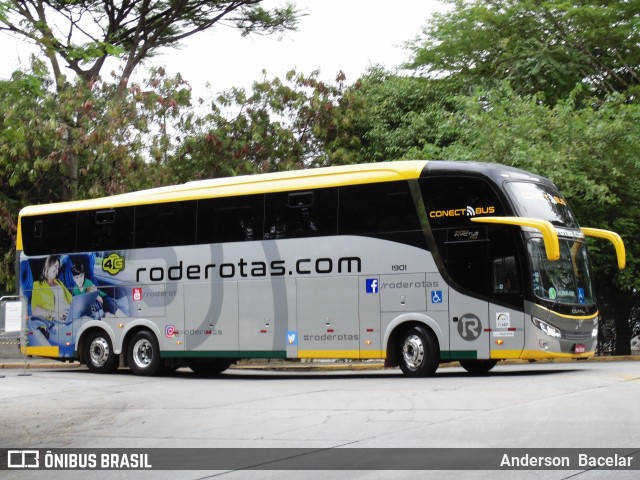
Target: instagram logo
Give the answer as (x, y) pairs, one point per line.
(170, 331)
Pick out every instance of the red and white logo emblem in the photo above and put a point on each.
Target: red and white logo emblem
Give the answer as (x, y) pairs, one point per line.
(137, 294)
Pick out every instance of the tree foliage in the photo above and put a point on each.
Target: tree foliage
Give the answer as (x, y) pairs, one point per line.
(539, 46)
(82, 34)
(121, 142)
(85, 33)
(296, 122)
(400, 117)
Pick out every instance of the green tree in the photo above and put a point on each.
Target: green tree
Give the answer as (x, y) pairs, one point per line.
(121, 142)
(545, 46)
(297, 122)
(82, 35)
(400, 117)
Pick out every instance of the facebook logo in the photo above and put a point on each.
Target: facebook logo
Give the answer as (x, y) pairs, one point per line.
(372, 285)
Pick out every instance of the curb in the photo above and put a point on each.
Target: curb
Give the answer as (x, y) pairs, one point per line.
(30, 364)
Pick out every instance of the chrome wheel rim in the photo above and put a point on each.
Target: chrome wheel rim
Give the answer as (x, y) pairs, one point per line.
(413, 351)
(99, 352)
(142, 353)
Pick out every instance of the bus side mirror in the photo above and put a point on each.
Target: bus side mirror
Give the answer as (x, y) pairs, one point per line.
(613, 238)
(549, 234)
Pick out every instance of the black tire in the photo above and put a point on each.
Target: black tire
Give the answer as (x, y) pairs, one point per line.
(418, 354)
(210, 367)
(478, 367)
(143, 354)
(98, 353)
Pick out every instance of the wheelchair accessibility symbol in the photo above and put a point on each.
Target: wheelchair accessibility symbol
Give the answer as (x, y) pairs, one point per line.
(436, 296)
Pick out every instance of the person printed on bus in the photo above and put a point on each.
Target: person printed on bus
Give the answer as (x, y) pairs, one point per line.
(50, 298)
(82, 283)
(105, 305)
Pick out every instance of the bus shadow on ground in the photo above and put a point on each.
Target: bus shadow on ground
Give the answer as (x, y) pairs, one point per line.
(317, 374)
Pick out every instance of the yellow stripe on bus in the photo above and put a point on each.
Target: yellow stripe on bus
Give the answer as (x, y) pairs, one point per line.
(536, 355)
(581, 318)
(506, 354)
(42, 351)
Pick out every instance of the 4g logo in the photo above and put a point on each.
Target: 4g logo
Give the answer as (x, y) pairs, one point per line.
(113, 264)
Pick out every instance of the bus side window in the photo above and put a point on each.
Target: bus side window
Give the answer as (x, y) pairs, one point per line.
(165, 224)
(105, 230)
(481, 259)
(231, 219)
(505, 275)
(49, 234)
(377, 208)
(309, 213)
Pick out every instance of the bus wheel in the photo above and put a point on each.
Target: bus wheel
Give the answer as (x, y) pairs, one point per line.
(418, 352)
(210, 367)
(98, 353)
(478, 367)
(143, 353)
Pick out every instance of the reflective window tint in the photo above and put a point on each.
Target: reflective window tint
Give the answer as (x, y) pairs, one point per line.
(310, 213)
(232, 219)
(110, 229)
(541, 201)
(377, 208)
(384, 210)
(453, 201)
(479, 258)
(45, 234)
(165, 224)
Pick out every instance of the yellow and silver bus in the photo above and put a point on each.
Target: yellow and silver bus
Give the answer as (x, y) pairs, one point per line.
(414, 262)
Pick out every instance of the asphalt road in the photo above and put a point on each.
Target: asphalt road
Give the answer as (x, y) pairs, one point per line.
(553, 405)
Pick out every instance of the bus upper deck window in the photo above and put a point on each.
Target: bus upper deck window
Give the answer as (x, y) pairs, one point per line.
(300, 200)
(105, 217)
(37, 229)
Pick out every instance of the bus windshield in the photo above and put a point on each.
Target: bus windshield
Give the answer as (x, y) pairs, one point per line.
(566, 281)
(541, 201)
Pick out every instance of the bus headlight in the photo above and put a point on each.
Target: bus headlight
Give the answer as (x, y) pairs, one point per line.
(546, 328)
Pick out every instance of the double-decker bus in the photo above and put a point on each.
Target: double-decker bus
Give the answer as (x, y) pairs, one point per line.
(414, 262)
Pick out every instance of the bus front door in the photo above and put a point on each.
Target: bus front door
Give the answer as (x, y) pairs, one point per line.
(507, 332)
(469, 329)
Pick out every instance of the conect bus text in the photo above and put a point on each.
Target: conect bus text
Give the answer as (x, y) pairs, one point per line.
(243, 268)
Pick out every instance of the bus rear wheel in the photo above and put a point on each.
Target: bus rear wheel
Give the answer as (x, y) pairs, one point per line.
(98, 353)
(418, 352)
(478, 367)
(143, 353)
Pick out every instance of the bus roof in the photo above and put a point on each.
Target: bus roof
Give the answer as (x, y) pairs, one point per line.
(287, 181)
(246, 185)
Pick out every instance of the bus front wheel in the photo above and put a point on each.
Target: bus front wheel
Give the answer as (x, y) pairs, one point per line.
(143, 353)
(418, 352)
(98, 353)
